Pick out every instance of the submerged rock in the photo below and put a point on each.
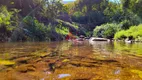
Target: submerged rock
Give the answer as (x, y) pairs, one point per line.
(117, 71)
(25, 68)
(6, 62)
(23, 60)
(139, 72)
(63, 75)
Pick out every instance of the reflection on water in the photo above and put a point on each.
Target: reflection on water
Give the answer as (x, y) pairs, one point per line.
(118, 47)
(98, 60)
(20, 49)
(133, 49)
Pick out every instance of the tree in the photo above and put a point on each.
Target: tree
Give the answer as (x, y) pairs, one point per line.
(26, 6)
(5, 23)
(133, 5)
(69, 7)
(52, 8)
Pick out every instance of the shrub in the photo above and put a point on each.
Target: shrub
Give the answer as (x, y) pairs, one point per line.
(135, 32)
(38, 31)
(106, 30)
(78, 14)
(120, 35)
(5, 23)
(62, 30)
(5, 16)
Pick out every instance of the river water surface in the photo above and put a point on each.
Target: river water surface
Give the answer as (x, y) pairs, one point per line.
(65, 61)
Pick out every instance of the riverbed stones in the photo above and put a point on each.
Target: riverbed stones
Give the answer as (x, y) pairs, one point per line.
(26, 68)
(23, 60)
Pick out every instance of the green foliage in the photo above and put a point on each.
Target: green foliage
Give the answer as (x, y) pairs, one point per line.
(79, 17)
(8, 18)
(5, 17)
(116, 13)
(78, 14)
(84, 9)
(88, 33)
(113, 11)
(37, 30)
(6, 23)
(134, 32)
(73, 25)
(120, 35)
(61, 29)
(83, 16)
(130, 19)
(69, 7)
(89, 12)
(133, 5)
(106, 30)
(52, 8)
(91, 5)
(95, 17)
(125, 24)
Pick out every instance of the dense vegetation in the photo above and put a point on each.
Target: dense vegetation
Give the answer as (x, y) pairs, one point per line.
(135, 32)
(106, 30)
(51, 20)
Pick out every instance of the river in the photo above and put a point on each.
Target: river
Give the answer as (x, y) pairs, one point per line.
(65, 61)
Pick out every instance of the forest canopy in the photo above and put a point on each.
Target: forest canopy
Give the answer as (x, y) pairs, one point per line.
(51, 20)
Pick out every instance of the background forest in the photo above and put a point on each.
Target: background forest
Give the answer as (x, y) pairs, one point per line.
(52, 20)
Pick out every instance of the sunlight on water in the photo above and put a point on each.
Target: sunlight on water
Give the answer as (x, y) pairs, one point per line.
(48, 61)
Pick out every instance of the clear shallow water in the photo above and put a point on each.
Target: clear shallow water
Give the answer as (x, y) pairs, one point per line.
(42, 60)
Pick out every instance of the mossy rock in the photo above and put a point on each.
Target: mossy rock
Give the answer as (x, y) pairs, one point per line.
(139, 72)
(6, 62)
